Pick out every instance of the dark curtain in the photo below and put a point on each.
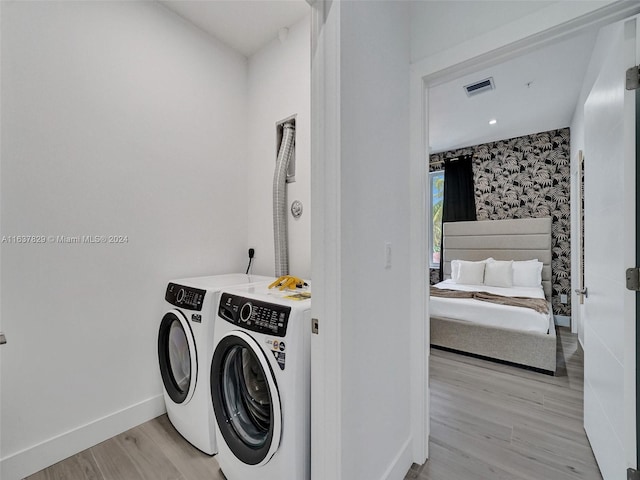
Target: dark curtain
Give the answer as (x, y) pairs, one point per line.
(459, 200)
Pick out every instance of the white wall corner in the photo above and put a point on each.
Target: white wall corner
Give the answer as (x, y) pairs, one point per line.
(33, 459)
(401, 463)
(326, 380)
(278, 89)
(419, 270)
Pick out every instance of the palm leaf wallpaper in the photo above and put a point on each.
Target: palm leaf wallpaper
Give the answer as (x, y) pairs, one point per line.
(526, 177)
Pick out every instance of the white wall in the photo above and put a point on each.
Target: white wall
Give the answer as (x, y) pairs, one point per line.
(118, 118)
(367, 121)
(279, 83)
(375, 302)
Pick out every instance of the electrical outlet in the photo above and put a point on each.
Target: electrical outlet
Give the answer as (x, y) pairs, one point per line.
(563, 298)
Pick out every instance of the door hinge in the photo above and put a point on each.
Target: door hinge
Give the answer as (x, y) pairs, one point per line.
(633, 279)
(314, 326)
(633, 474)
(633, 78)
(3, 339)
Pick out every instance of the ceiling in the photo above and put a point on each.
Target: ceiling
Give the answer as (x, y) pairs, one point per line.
(244, 25)
(439, 25)
(534, 92)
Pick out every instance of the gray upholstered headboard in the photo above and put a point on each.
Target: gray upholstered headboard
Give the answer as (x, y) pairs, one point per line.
(522, 239)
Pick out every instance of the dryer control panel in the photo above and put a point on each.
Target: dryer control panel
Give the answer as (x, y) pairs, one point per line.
(185, 297)
(254, 315)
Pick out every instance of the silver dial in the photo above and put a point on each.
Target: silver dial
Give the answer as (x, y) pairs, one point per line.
(296, 208)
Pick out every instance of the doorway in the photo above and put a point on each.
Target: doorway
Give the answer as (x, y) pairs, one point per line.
(437, 80)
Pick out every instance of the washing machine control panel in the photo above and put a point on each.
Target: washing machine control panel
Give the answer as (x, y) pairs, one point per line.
(185, 297)
(254, 315)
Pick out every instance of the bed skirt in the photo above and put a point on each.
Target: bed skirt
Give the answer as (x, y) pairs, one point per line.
(530, 349)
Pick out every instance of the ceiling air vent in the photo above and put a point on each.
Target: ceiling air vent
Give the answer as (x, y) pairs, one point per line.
(479, 87)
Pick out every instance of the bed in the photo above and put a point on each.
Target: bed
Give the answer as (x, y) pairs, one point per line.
(493, 334)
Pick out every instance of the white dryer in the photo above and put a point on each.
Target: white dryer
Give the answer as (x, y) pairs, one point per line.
(185, 348)
(260, 384)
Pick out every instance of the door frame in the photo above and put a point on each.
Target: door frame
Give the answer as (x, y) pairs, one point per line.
(577, 242)
(326, 348)
(545, 27)
(637, 336)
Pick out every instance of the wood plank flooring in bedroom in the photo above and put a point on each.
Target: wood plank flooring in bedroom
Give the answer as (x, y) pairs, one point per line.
(488, 421)
(496, 422)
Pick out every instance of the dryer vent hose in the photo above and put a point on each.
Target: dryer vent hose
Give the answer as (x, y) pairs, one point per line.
(280, 200)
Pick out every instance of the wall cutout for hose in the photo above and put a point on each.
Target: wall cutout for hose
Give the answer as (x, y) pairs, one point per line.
(285, 154)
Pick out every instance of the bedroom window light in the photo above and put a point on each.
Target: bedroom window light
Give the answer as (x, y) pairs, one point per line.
(436, 180)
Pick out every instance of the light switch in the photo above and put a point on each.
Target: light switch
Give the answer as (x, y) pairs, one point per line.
(387, 255)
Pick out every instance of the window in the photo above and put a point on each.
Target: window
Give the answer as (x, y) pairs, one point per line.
(437, 193)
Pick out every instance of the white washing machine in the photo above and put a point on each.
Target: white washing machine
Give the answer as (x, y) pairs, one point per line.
(261, 385)
(185, 348)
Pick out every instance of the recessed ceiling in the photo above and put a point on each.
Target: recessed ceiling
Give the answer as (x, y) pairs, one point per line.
(244, 25)
(534, 92)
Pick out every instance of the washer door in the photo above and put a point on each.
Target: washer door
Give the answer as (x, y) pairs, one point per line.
(177, 356)
(245, 399)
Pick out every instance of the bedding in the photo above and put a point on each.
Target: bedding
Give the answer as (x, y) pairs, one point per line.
(470, 273)
(527, 273)
(491, 314)
(455, 268)
(498, 273)
(538, 304)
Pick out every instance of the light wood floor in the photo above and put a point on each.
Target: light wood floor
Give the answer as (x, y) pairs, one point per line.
(151, 451)
(496, 422)
(488, 422)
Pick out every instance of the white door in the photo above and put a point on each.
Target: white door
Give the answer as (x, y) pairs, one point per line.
(609, 321)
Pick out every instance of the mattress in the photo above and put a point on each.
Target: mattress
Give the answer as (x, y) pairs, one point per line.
(490, 314)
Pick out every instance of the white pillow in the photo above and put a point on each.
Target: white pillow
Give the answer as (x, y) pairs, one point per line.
(498, 273)
(470, 273)
(455, 267)
(527, 273)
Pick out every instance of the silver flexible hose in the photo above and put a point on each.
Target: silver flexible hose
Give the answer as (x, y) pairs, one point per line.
(280, 200)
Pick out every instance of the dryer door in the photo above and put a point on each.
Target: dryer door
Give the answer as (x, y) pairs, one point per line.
(245, 398)
(177, 356)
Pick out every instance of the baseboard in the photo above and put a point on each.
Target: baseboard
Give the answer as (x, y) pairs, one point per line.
(562, 320)
(401, 463)
(42, 455)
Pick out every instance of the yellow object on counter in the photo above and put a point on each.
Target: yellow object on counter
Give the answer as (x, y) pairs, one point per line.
(299, 296)
(288, 281)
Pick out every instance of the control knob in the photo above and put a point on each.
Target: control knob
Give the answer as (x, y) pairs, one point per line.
(181, 295)
(245, 312)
